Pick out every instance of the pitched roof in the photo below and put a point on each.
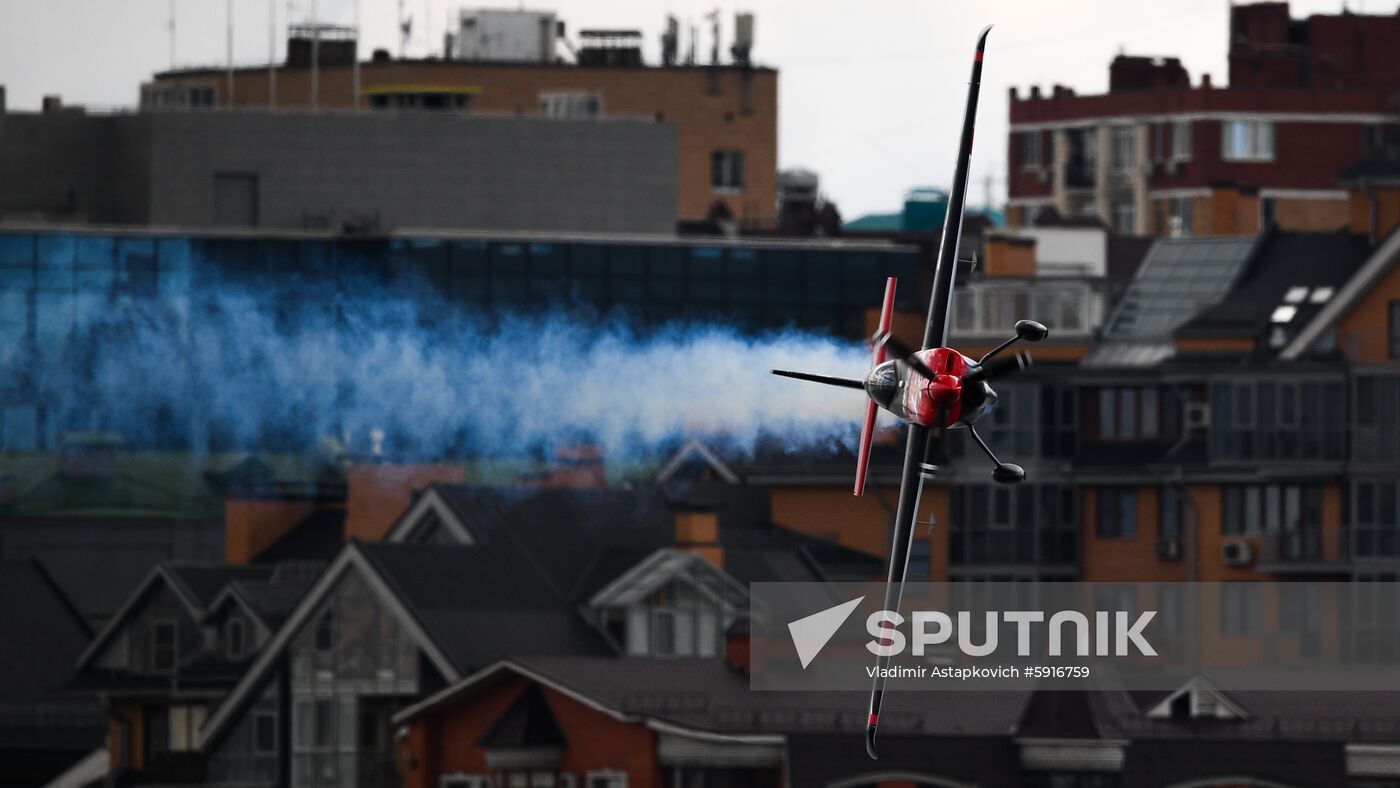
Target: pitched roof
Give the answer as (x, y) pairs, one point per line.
(1299, 270)
(318, 537)
(202, 582)
(706, 695)
(41, 633)
(458, 593)
(1382, 259)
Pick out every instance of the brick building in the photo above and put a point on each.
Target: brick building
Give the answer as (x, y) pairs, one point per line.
(725, 116)
(1225, 411)
(1157, 156)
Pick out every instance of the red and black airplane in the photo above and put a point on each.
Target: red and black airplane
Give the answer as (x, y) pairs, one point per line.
(934, 389)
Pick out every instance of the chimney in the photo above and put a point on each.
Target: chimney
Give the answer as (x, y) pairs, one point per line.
(1205, 82)
(697, 531)
(1013, 92)
(376, 494)
(1035, 91)
(52, 104)
(1010, 255)
(253, 523)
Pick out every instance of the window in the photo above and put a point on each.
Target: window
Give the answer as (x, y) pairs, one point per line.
(1290, 514)
(1031, 523)
(1124, 148)
(1375, 525)
(663, 633)
(920, 557)
(1117, 512)
(163, 646)
(1030, 150)
(1130, 413)
(1376, 431)
(185, 722)
(1239, 608)
(1170, 513)
(571, 104)
(1182, 212)
(1181, 140)
(325, 633)
(264, 733)
(1275, 419)
(1247, 140)
(1394, 329)
(1124, 216)
(727, 170)
(606, 780)
(234, 644)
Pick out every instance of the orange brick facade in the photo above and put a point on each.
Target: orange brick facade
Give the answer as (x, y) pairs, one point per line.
(445, 741)
(713, 109)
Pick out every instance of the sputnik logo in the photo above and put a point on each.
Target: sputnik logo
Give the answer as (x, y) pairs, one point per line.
(811, 633)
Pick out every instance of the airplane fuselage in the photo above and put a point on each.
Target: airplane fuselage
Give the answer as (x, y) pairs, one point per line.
(899, 389)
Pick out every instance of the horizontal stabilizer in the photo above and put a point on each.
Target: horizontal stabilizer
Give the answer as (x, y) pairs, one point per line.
(843, 382)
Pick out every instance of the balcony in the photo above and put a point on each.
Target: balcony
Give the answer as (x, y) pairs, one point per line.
(1299, 553)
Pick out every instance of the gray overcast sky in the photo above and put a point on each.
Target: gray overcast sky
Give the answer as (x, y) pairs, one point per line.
(870, 92)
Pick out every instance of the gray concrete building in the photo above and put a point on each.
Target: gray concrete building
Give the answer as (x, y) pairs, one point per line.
(366, 172)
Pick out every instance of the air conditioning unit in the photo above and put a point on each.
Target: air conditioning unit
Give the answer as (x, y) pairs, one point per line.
(1169, 549)
(1237, 552)
(1197, 415)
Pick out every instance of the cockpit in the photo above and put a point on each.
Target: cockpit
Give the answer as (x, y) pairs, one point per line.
(882, 384)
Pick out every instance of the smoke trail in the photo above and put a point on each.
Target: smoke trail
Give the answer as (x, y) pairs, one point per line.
(243, 368)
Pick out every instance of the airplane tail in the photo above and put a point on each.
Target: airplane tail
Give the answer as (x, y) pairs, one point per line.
(867, 430)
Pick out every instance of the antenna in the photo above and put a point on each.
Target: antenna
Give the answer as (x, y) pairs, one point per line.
(355, 67)
(315, 55)
(228, 98)
(405, 28)
(713, 16)
(171, 26)
(272, 53)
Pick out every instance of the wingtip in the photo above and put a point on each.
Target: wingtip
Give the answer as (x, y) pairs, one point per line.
(870, 743)
(982, 38)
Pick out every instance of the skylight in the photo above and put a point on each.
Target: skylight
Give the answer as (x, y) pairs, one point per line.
(1295, 295)
(1283, 314)
(1321, 295)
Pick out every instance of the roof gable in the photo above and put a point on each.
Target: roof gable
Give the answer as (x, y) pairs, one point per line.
(160, 576)
(431, 509)
(351, 559)
(1197, 699)
(1381, 262)
(666, 566)
(528, 722)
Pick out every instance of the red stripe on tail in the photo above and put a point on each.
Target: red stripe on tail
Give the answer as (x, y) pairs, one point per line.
(867, 431)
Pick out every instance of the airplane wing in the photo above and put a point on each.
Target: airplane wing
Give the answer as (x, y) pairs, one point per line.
(923, 445)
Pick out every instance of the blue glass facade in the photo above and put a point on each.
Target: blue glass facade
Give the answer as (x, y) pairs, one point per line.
(68, 297)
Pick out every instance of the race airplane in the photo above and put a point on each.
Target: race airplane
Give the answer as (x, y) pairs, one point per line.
(934, 389)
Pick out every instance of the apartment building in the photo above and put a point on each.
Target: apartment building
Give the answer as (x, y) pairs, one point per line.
(1158, 155)
(725, 115)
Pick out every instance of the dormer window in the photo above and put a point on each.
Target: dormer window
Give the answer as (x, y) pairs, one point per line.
(672, 604)
(1197, 700)
(163, 646)
(235, 643)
